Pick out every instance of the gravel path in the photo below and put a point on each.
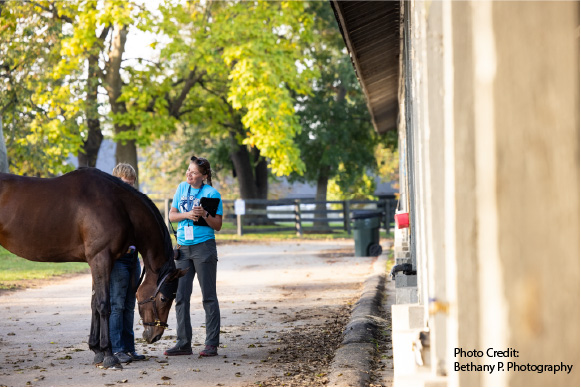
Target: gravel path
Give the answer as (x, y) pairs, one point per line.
(283, 307)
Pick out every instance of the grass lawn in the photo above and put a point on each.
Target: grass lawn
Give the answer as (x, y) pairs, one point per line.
(14, 269)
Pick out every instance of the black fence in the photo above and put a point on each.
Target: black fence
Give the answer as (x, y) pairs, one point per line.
(299, 215)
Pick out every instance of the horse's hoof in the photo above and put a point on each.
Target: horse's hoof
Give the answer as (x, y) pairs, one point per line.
(98, 359)
(111, 362)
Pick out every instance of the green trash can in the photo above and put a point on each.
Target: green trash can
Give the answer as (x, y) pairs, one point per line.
(366, 232)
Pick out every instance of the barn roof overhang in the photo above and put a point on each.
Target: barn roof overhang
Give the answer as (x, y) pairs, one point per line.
(371, 31)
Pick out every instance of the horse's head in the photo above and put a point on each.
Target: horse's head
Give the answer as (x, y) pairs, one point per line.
(154, 301)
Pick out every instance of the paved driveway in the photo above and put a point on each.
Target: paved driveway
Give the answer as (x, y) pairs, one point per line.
(265, 291)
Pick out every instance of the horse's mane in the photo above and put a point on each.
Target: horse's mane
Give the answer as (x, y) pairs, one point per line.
(146, 201)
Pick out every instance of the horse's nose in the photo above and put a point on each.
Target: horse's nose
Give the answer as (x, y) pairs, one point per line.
(149, 337)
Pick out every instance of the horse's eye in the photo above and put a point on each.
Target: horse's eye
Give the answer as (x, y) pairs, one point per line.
(163, 299)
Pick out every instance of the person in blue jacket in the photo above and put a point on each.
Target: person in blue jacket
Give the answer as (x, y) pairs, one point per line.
(198, 253)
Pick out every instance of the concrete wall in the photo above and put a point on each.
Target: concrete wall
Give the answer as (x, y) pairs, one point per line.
(491, 122)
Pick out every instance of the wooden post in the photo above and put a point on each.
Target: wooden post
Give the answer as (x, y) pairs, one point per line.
(347, 216)
(239, 224)
(298, 225)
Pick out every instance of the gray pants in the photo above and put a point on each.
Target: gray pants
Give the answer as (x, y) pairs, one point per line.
(201, 259)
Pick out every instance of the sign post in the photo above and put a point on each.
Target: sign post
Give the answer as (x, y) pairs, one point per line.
(240, 210)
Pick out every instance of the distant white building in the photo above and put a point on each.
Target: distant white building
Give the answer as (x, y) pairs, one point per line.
(284, 189)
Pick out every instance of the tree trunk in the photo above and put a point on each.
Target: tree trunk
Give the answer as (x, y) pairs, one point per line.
(126, 151)
(252, 175)
(321, 208)
(261, 174)
(261, 184)
(88, 154)
(244, 174)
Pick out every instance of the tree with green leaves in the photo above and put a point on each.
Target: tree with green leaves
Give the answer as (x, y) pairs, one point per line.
(225, 67)
(39, 111)
(56, 57)
(338, 139)
(97, 43)
(228, 79)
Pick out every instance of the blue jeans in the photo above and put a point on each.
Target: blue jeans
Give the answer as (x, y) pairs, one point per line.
(201, 259)
(123, 303)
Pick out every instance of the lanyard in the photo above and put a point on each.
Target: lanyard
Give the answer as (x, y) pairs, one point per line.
(195, 197)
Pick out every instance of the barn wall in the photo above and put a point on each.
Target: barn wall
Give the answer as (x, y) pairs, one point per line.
(490, 118)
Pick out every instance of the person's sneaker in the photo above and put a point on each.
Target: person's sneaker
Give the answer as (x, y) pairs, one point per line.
(177, 351)
(136, 357)
(209, 351)
(123, 357)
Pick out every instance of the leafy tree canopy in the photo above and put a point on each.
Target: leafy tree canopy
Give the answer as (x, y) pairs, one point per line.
(40, 112)
(226, 76)
(225, 62)
(219, 62)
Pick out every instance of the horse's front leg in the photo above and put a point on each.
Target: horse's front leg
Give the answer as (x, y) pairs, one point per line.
(99, 341)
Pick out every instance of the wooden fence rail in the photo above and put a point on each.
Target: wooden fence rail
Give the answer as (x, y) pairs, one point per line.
(300, 215)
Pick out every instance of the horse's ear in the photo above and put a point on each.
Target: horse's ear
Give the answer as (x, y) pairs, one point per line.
(176, 274)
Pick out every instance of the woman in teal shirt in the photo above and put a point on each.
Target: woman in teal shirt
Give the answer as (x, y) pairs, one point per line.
(198, 254)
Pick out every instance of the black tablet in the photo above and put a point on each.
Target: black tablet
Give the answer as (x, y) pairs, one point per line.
(211, 206)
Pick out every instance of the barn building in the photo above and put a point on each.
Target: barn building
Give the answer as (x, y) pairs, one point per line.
(485, 98)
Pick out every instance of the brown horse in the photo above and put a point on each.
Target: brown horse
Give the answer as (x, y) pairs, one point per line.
(91, 216)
